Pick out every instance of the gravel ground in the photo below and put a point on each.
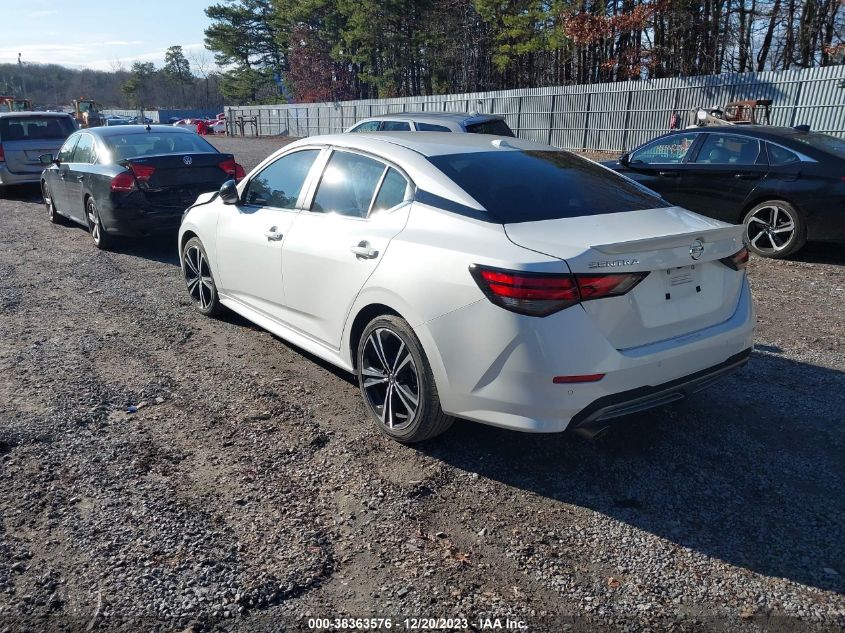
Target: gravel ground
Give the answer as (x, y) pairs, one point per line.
(248, 492)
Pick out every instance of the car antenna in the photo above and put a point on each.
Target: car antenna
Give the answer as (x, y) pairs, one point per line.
(148, 128)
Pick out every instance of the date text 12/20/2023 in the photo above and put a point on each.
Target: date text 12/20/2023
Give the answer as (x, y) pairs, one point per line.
(417, 624)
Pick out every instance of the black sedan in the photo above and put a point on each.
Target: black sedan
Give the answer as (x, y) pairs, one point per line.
(131, 180)
(787, 185)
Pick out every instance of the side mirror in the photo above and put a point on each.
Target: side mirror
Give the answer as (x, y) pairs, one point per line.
(47, 160)
(229, 192)
(625, 159)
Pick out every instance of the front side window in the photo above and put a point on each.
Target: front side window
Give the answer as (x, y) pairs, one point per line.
(66, 153)
(668, 150)
(369, 126)
(348, 185)
(728, 149)
(84, 152)
(395, 126)
(280, 183)
(534, 185)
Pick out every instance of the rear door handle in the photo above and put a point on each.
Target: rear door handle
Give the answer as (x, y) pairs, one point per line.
(747, 176)
(363, 251)
(79, 178)
(669, 174)
(273, 235)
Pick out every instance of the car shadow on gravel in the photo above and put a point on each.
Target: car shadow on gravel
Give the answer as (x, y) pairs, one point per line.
(821, 253)
(160, 248)
(21, 193)
(749, 472)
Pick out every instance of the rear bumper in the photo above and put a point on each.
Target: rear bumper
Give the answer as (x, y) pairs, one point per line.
(493, 368)
(607, 410)
(8, 178)
(121, 217)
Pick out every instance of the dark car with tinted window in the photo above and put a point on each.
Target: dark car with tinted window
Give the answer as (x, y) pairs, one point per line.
(131, 180)
(786, 185)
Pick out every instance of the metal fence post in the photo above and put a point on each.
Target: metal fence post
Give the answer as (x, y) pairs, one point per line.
(795, 105)
(587, 120)
(552, 118)
(519, 116)
(627, 120)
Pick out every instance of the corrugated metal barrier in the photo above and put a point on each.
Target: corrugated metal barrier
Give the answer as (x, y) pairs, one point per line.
(599, 117)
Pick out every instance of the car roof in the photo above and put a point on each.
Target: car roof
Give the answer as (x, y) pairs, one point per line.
(118, 130)
(425, 143)
(454, 117)
(767, 132)
(30, 113)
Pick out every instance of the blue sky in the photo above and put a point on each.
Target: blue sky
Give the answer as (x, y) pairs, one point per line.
(100, 34)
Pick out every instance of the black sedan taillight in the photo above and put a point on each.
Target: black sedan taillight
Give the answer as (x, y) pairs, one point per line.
(541, 294)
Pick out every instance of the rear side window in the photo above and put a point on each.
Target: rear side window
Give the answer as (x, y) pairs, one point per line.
(392, 191)
(494, 126)
(140, 144)
(369, 126)
(528, 186)
(430, 127)
(780, 155)
(280, 183)
(348, 185)
(35, 128)
(395, 126)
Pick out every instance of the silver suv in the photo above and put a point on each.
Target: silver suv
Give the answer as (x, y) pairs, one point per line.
(24, 136)
(435, 122)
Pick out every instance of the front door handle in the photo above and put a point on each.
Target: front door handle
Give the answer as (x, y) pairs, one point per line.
(669, 174)
(363, 250)
(747, 176)
(273, 235)
(79, 178)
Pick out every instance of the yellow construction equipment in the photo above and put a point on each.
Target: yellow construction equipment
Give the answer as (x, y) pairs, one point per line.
(86, 113)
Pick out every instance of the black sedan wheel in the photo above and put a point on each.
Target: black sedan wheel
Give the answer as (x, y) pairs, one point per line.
(775, 229)
(102, 240)
(198, 278)
(397, 383)
(52, 214)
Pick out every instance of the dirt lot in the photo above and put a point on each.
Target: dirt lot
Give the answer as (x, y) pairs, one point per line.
(250, 493)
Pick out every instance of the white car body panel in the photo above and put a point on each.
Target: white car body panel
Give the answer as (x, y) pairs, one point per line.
(489, 364)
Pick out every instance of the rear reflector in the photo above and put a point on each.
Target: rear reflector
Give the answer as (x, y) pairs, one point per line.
(738, 260)
(124, 181)
(568, 380)
(233, 169)
(541, 294)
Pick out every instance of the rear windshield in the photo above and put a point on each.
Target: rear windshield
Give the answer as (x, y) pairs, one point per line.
(139, 144)
(823, 142)
(496, 126)
(20, 128)
(528, 186)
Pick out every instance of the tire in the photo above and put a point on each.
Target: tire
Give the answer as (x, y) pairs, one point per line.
(392, 371)
(775, 229)
(102, 240)
(54, 216)
(198, 278)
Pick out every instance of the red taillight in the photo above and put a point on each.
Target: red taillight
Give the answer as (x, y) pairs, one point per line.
(2, 154)
(569, 380)
(233, 169)
(738, 260)
(541, 294)
(124, 181)
(143, 173)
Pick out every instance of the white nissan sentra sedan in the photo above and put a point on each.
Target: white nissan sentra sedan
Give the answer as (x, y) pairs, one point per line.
(491, 279)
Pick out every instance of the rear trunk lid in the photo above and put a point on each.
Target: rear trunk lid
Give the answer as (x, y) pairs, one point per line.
(175, 180)
(687, 288)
